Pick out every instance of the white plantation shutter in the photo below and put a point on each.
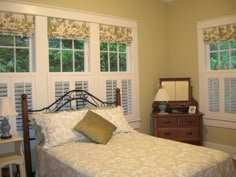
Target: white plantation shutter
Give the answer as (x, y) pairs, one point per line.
(126, 98)
(19, 89)
(3, 93)
(230, 95)
(213, 95)
(81, 85)
(111, 86)
(61, 87)
(126, 93)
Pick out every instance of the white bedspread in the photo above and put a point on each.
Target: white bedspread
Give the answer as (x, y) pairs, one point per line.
(134, 155)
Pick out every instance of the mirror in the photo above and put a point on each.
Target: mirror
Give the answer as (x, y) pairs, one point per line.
(178, 89)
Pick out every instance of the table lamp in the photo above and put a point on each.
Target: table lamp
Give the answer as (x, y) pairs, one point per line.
(7, 109)
(162, 97)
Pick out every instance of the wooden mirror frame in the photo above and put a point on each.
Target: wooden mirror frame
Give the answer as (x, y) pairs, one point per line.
(179, 106)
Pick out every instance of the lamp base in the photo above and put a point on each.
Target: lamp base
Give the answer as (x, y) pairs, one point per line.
(6, 137)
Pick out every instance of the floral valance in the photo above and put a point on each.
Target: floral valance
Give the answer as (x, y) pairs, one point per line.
(110, 33)
(18, 24)
(220, 33)
(65, 28)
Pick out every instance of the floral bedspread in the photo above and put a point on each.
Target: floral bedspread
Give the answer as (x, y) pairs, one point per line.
(134, 155)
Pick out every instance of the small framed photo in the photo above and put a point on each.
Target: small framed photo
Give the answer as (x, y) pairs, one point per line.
(192, 109)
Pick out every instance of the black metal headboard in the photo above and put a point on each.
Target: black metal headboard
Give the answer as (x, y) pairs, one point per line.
(74, 99)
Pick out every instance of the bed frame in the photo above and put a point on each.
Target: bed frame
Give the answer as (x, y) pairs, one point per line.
(81, 98)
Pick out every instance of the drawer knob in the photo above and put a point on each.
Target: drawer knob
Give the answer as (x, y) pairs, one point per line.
(167, 122)
(189, 133)
(167, 133)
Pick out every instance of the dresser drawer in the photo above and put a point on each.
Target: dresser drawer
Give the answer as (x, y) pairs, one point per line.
(188, 133)
(169, 133)
(188, 121)
(167, 121)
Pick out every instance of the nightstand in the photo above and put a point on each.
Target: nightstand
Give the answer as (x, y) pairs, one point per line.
(16, 157)
(182, 127)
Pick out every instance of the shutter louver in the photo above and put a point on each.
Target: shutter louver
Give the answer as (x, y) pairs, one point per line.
(213, 95)
(111, 86)
(21, 88)
(230, 95)
(3, 93)
(126, 96)
(60, 89)
(81, 85)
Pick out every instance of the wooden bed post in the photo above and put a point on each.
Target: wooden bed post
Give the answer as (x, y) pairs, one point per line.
(28, 163)
(118, 97)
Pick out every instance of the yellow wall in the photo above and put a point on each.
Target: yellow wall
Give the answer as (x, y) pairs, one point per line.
(167, 39)
(182, 19)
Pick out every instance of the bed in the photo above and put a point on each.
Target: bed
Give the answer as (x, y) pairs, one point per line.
(70, 144)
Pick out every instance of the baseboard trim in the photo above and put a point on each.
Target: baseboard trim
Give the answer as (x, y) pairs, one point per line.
(228, 149)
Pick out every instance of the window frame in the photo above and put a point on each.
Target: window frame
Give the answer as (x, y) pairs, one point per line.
(221, 119)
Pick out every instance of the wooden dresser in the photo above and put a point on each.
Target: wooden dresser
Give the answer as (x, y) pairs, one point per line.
(182, 127)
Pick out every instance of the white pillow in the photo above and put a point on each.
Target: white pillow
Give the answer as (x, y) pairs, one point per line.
(116, 116)
(58, 127)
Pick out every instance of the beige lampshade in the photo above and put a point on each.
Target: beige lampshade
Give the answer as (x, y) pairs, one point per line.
(6, 107)
(161, 95)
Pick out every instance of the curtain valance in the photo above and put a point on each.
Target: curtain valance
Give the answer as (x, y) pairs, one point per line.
(65, 28)
(18, 24)
(109, 33)
(220, 33)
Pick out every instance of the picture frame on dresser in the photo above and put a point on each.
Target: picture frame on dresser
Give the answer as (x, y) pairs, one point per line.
(192, 109)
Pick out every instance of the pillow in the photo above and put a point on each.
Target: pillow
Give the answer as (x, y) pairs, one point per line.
(96, 128)
(116, 117)
(58, 127)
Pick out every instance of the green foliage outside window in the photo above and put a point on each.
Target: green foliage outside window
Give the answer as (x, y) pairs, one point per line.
(223, 55)
(14, 53)
(66, 55)
(113, 57)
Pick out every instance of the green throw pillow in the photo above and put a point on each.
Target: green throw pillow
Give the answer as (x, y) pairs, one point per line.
(95, 127)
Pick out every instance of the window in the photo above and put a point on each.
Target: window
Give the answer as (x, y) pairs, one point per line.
(14, 53)
(66, 55)
(113, 57)
(217, 72)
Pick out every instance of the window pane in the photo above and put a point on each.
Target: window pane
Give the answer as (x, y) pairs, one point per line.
(103, 46)
(122, 58)
(54, 43)
(214, 60)
(213, 46)
(54, 61)
(79, 61)
(224, 45)
(233, 44)
(113, 62)
(104, 61)
(79, 44)
(66, 44)
(67, 64)
(224, 60)
(112, 46)
(22, 41)
(122, 47)
(6, 40)
(22, 60)
(233, 59)
(6, 60)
